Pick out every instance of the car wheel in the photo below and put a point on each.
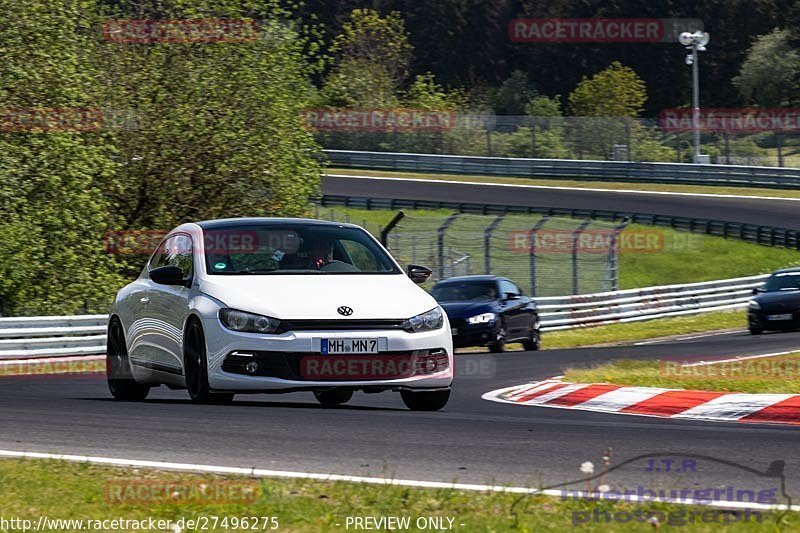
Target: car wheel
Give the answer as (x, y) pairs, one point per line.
(330, 398)
(498, 345)
(535, 339)
(425, 400)
(120, 380)
(196, 368)
(756, 330)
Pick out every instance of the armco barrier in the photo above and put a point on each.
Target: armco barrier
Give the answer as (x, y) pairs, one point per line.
(85, 335)
(675, 173)
(43, 336)
(586, 310)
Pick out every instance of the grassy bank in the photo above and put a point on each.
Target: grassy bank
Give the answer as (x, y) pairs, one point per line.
(650, 329)
(61, 490)
(777, 375)
(678, 257)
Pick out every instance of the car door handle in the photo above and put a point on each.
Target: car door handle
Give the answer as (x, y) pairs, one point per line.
(144, 300)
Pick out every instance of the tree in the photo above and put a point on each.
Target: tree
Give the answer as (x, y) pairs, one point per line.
(614, 92)
(513, 95)
(371, 61)
(215, 132)
(770, 73)
(52, 214)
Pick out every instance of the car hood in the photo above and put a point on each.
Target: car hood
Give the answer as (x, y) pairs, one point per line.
(791, 299)
(317, 297)
(466, 309)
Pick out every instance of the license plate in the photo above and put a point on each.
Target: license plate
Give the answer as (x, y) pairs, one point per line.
(346, 346)
(779, 317)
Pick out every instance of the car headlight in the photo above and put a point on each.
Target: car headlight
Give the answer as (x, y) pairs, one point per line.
(247, 322)
(482, 319)
(428, 321)
(754, 305)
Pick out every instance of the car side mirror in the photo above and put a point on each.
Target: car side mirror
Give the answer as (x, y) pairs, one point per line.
(418, 274)
(167, 275)
(758, 290)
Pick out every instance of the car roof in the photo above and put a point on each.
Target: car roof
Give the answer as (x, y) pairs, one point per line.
(223, 223)
(476, 277)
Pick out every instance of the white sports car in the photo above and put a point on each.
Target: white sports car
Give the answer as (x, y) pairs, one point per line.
(265, 305)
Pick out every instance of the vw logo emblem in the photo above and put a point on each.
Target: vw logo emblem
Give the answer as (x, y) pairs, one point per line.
(345, 311)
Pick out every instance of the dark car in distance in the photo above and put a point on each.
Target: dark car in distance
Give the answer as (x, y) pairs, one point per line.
(488, 311)
(776, 305)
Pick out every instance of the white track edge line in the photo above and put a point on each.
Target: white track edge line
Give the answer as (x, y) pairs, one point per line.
(258, 472)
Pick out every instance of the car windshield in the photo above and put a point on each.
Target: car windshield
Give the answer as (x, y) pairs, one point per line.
(304, 249)
(784, 281)
(465, 292)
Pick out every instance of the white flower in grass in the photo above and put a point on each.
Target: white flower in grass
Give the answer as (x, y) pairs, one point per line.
(587, 468)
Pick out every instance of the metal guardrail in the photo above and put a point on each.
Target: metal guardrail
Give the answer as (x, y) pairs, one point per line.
(45, 336)
(81, 335)
(673, 173)
(633, 305)
(766, 235)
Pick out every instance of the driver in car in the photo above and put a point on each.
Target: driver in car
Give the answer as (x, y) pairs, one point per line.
(320, 253)
(320, 257)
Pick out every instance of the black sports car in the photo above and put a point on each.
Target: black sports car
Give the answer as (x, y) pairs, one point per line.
(488, 311)
(776, 306)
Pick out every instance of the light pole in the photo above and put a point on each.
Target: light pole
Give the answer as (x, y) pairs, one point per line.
(694, 43)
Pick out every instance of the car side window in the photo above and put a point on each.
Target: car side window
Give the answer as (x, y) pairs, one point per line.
(175, 251)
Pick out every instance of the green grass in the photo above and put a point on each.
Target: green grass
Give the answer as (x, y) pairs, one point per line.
(650, 329)
(588, 184)
(777, 375)
(680, 257)
(62, 490)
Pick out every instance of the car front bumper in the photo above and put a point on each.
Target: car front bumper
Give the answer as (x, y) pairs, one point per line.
(285, 352)
(759, 320)
(465, 335)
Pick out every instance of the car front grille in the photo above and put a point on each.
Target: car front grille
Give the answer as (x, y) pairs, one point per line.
(289, 365)
(339, 325)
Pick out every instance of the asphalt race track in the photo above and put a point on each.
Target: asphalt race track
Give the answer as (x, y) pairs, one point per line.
(472, 440)
(767, 212)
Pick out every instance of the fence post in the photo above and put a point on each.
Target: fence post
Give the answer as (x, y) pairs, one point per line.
(487, 245)
(613, 255)
(532, 250)
(440, 241)
(575, 240)
(389, 227)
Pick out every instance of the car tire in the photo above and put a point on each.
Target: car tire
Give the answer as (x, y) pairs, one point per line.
(118, 371)
(756, 331)
(534, 341)
(332, 398)
(425, 400)
(196, 368)
(498, 345)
